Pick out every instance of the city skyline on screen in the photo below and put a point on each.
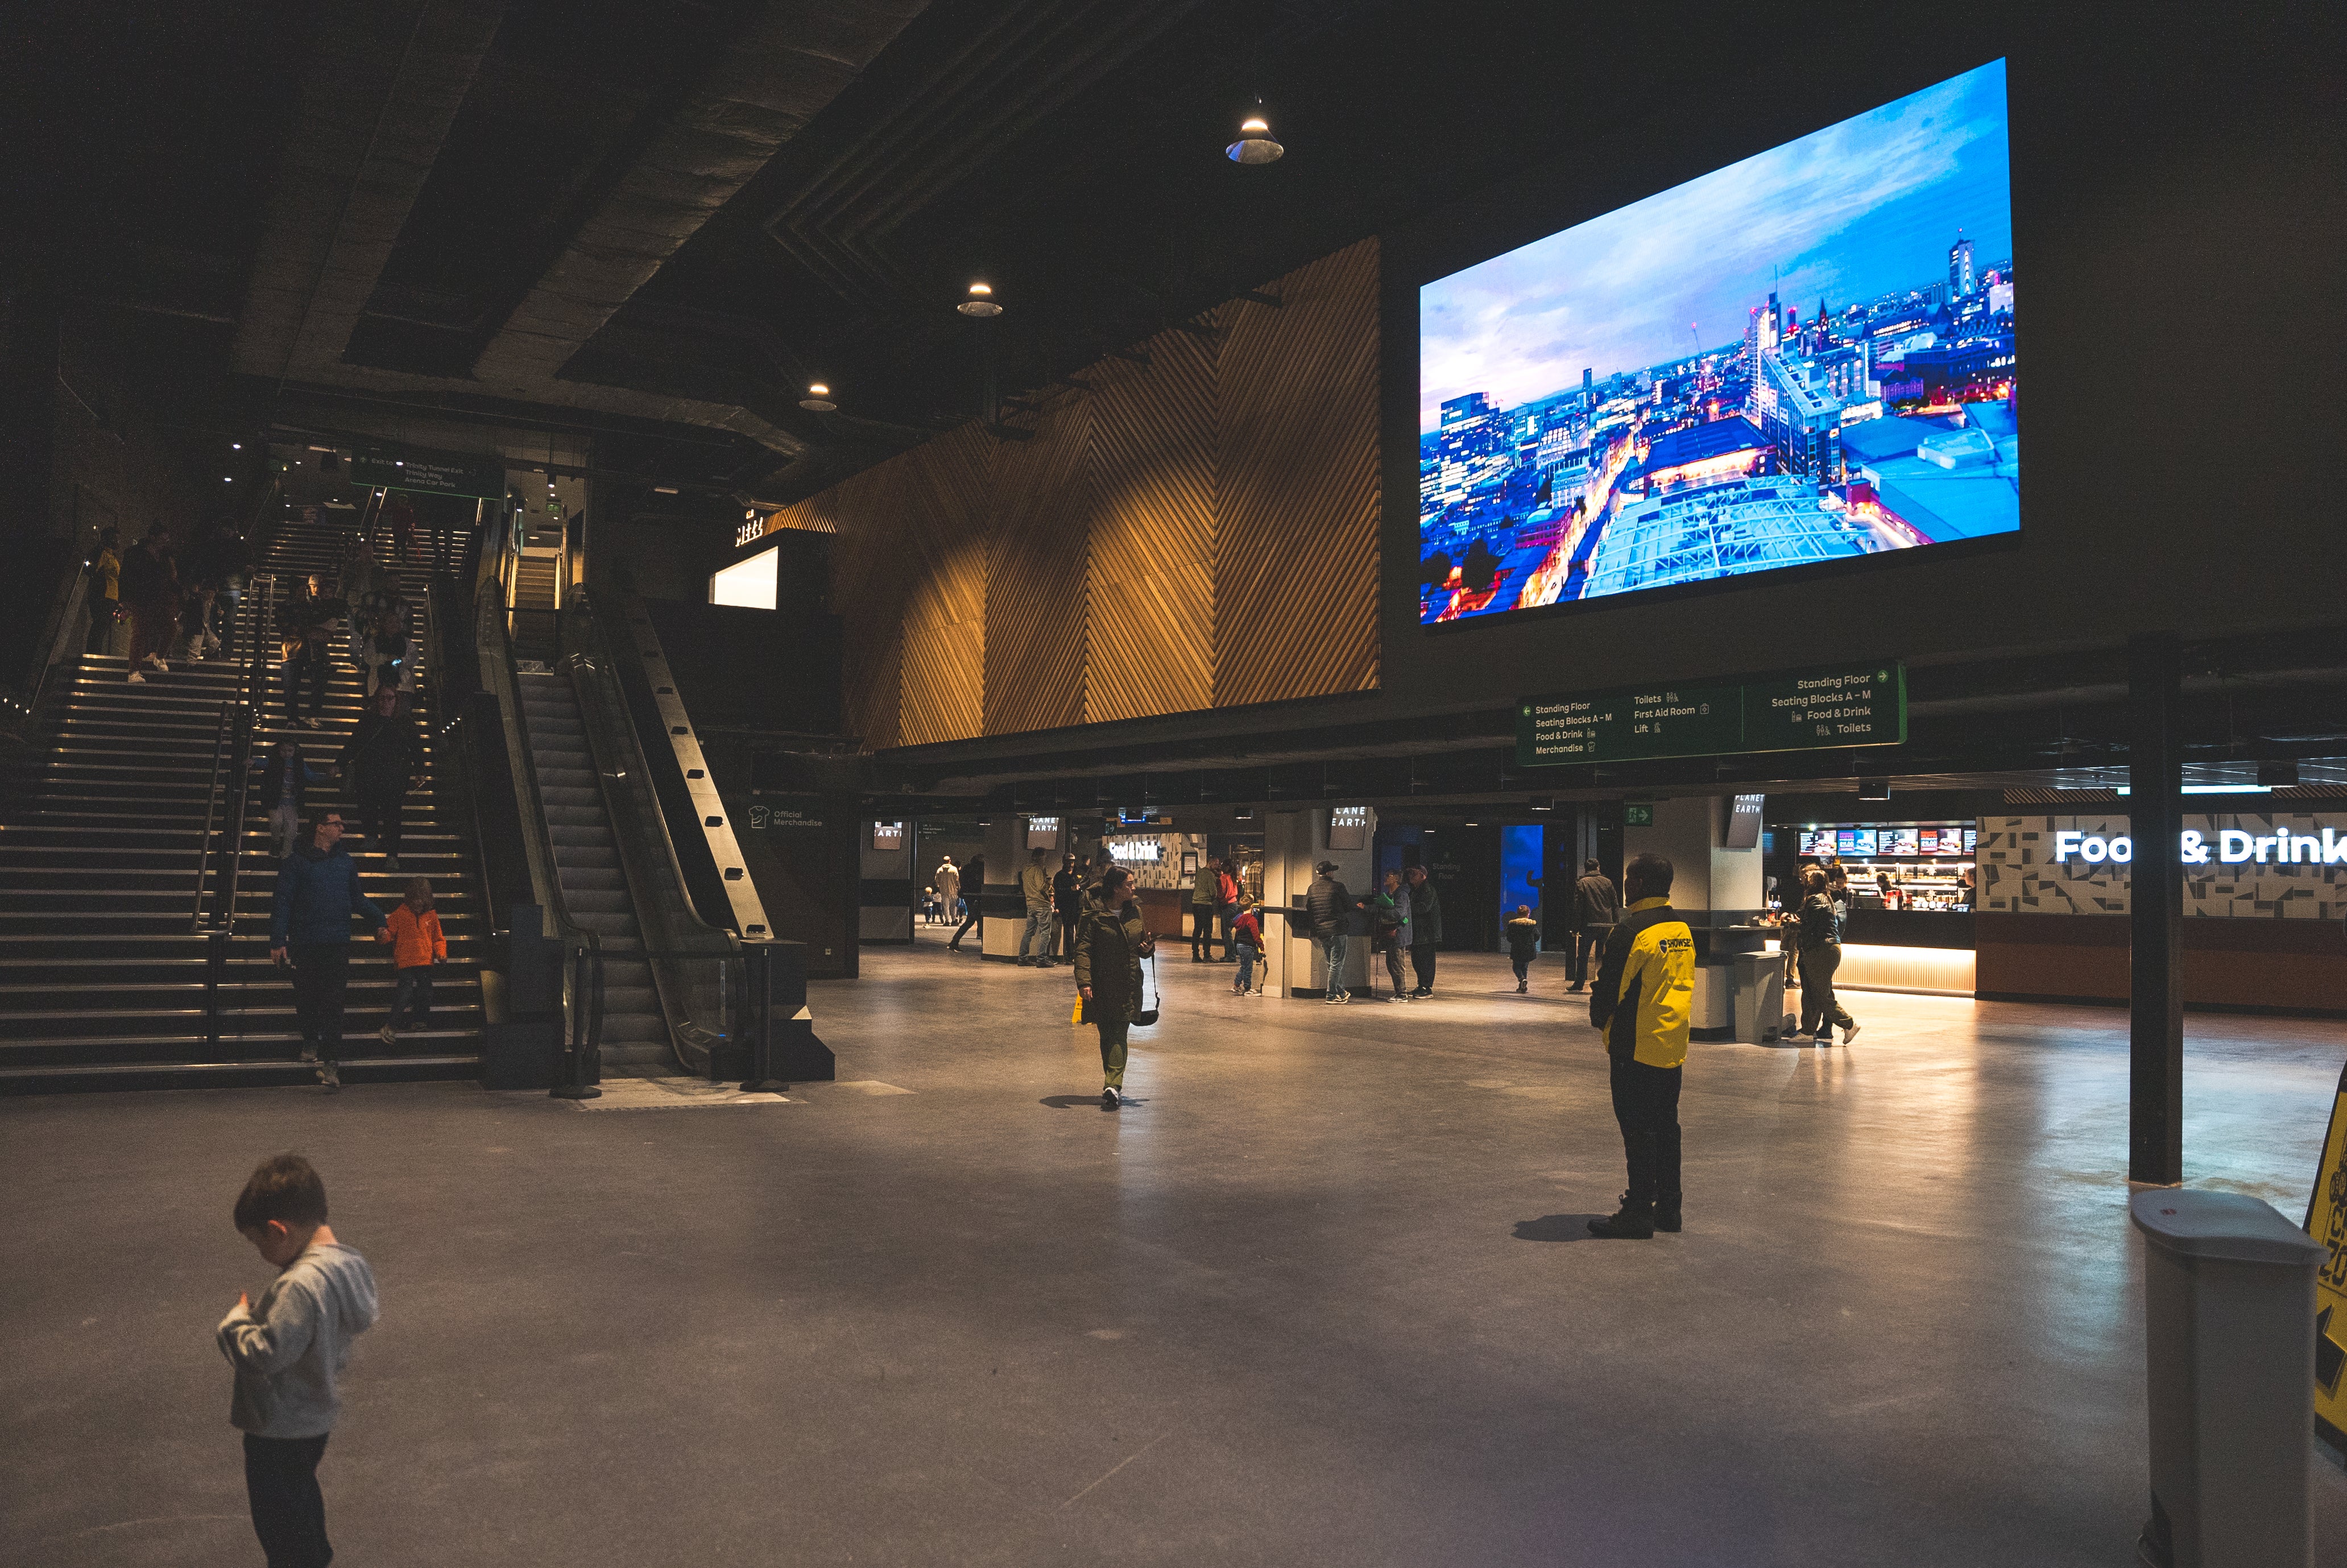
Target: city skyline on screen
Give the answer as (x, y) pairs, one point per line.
(1804, 355)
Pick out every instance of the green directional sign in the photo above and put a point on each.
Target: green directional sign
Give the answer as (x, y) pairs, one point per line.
(1793, 711)
(433, 473)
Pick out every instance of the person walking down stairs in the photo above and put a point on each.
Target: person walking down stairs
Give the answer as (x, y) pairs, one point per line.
(310, 927)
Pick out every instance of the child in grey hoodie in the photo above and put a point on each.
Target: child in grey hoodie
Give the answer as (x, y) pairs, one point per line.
(289, 1353)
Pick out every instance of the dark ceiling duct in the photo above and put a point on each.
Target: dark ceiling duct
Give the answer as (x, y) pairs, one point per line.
(788, 64)
(382, 88)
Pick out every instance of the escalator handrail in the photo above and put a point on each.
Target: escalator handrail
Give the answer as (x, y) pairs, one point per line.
(503, 682)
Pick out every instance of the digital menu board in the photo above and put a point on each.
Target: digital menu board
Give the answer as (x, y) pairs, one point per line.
(1900, 841)
(1817, 840)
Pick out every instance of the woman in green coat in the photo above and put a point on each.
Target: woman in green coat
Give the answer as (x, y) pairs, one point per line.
(1109, 950)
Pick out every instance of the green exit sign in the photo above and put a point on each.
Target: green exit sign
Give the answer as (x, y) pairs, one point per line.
(1793, 711)
(1637, 814)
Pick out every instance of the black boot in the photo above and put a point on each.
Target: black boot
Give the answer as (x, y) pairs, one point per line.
(1633, 1222)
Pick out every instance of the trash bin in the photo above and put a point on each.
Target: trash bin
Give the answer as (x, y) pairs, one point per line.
(2229, 1336)
(1759, 987)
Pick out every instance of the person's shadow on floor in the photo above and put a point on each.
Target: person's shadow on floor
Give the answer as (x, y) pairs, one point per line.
(1556, 1228)
(1078, 1102)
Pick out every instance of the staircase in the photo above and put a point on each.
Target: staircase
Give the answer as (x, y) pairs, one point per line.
(594, 890)
(103, 981)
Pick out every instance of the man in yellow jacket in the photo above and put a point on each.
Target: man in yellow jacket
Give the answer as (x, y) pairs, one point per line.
(1642, 997)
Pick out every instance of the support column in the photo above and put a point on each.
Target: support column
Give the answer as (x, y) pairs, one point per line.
(2155, 911)
(1006, 905)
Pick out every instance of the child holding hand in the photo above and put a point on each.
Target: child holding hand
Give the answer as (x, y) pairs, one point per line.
(416, 944)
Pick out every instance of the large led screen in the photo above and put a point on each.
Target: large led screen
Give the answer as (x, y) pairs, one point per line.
(1804, 357)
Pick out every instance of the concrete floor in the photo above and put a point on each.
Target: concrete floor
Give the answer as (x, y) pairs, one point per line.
(1322, 1296)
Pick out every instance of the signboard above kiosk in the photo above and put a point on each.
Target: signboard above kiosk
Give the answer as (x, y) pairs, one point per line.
(1798, 710)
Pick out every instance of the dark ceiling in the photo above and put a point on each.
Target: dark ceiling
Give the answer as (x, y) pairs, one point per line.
(658, 220)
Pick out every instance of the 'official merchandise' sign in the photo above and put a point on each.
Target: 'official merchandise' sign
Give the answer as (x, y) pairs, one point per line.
(1799, 711)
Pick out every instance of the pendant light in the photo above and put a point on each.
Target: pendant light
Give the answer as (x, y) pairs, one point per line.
(980, 302)
(817, 399)
(1254, 144)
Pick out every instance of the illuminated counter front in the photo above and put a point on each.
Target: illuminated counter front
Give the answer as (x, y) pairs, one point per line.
(1927, 951)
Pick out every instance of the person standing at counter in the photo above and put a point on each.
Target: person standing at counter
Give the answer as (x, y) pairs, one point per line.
(1205, 894)
(1821, 955)
(1035, 885)
(1329, 906)
(1425, 929)
(1596, 906)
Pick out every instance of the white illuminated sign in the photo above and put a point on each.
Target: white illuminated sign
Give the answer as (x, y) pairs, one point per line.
(2234, 845)
(1150, 851)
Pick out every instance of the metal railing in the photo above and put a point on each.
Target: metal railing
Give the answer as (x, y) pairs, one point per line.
(695, 966)
(212, 813)
(219, 862)
(582, 969)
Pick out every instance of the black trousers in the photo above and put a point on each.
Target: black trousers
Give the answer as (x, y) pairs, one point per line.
(289, 1512)
(972, 918)
(1647, 1105)
(1819, 1007)
(1587, 944)
(1202, 931)
(1422, 964)
(321, 980)
(378, 820)
(298, 669)
(1068, 924)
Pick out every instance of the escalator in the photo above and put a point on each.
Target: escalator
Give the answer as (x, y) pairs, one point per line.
(661, 986)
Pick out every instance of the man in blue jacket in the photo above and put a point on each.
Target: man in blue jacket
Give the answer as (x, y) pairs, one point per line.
(310, 923)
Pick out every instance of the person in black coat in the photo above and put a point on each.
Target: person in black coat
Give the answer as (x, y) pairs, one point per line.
(973, 899)
(1596, 906)
(381, 762)
(1425, 929)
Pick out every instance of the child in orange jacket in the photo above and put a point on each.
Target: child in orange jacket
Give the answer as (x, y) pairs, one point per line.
(416, 944)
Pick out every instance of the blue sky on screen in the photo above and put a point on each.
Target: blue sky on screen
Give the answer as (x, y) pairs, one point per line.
(1847, 212)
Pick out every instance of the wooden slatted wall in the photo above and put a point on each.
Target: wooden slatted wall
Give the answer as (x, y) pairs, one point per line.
(1035, 581)
(1295, 486)
(1148, 644)
(1200, 531)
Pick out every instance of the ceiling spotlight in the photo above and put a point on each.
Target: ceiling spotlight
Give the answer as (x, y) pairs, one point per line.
(980, 302)
(818, 399)
(1254, 144)
(236, 445)
(664, 489)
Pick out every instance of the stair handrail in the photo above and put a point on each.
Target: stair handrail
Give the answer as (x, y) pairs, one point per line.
(252, 693)
(695, 965)
(211, 815)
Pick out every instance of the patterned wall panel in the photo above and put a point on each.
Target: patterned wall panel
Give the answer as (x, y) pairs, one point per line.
(1037, 537)
(2019, 875)
(941, 538)
(1297, 485)
(1197, 532)
(1149, 637)
(870, 595)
